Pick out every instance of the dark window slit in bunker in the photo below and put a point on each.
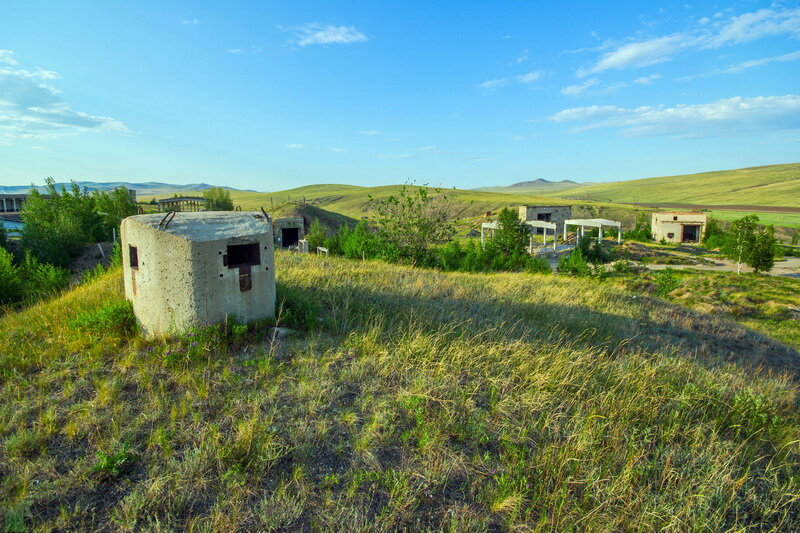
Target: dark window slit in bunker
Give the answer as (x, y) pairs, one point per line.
(240, 255)
(133, 254)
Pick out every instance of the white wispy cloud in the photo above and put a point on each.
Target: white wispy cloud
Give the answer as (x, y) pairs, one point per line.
(646, 80)
(190, 22)
(296, 146)
(523, 57)
(235, 50)
(574, 90)
(494, 84)
(726, 117)
(315, 33)
(6, 56)
(370, 132)
(30, 107)
(722, 30)
(531, 77)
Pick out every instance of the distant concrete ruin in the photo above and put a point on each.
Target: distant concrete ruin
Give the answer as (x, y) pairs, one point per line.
(186, 269)
(679, 226)
(555, 214)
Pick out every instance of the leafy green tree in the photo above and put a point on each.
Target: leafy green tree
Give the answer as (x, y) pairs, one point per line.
(113, 206)
(60, 223)
(218, 199)
(414, 220)
(739, 242)
(511, 236)
(317, 234)
(3, 237)
(762, 254)
(747, 243)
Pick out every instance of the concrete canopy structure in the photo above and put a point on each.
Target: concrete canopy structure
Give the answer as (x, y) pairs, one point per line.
(599, 223)
(182, 203)
(533, 225)
(185, 269)
(679, 226)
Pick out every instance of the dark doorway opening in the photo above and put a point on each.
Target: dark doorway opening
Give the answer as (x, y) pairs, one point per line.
(691, 234)
(289, 236)
(544, 217)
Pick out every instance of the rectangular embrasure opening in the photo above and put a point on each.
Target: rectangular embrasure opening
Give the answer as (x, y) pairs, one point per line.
(133, 254)
(240, 255)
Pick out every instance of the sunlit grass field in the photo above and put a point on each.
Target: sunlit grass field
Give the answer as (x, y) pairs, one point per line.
(791, 220)
(408, 399)
(766, 185)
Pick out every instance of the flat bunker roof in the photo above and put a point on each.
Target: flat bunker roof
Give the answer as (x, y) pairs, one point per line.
(206, 226)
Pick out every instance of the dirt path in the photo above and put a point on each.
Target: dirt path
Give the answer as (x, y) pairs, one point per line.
(789, 267)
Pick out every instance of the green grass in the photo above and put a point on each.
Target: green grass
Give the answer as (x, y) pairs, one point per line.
(408, 400)
(774, 185)
(790, 220)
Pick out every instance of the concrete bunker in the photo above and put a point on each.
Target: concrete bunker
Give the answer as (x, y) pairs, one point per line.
(190, 268)
(679, 226)
(289, 231)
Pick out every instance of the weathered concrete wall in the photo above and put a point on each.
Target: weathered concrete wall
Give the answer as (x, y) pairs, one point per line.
(287, 223)
(670, 226)
(558, 214)
(182, 279)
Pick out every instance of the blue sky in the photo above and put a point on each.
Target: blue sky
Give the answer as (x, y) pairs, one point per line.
(270, 96)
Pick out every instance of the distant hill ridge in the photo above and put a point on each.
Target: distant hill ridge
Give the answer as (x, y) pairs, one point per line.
(539, 185)
(142, 189)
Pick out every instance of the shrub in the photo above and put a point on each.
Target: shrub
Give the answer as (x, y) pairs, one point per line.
(317, 235)
(642, 232)
(414, 220)
(715, 242)
(511, 236)
(11, 286)
(114, 318)
(593, 251)
(666, 282)
(574, 264)
(41, 279)
(538, 265)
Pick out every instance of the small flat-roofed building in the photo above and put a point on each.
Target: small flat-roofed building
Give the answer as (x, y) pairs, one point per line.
(12, 203)
(679, 226)
(186, 269)
(556, 214)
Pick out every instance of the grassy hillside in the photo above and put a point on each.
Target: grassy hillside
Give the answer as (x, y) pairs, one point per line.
(409, 399)
(777, 185)
(355, 201)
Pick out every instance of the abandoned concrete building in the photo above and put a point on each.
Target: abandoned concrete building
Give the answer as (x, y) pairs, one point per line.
(289, 231)
(186, 269)
(555, 214)
(679, 226)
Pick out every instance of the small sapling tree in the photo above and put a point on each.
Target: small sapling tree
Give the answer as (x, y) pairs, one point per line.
(762, 255)
(511, 236)
(748, 244)
(414, 220)
(317, 235)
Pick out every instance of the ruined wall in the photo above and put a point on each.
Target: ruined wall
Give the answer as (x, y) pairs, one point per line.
(558, 214)
(670, 226)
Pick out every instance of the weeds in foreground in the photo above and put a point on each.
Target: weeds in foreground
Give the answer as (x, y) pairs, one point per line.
(410, 399)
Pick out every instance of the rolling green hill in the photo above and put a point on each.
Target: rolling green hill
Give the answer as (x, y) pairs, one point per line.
(355, 202)
(773, 185)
